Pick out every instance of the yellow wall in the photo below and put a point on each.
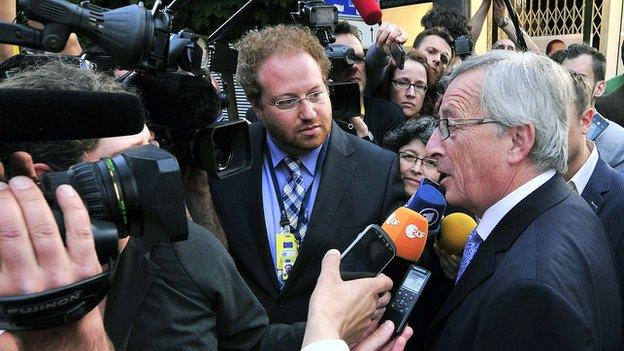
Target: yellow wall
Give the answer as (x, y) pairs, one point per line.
(408, 18)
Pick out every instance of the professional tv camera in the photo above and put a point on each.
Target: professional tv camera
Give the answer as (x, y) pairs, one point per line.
(322, 19)
(133, 37)
(138, 192)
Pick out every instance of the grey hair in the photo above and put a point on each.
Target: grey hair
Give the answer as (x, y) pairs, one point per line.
(522, 88)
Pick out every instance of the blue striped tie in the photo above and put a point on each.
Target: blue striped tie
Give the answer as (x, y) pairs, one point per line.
(293, 194)
(472, 244)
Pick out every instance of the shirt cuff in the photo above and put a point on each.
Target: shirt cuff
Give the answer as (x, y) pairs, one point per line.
(327, 345)
(1, 331)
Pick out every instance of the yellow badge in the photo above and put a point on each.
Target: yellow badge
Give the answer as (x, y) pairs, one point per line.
(287, 249)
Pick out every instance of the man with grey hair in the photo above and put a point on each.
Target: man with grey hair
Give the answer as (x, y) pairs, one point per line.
(536, 272)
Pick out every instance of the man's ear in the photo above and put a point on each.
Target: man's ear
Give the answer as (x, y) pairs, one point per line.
(522, 141)
(599, 89)
(41, 168)
(586, 120)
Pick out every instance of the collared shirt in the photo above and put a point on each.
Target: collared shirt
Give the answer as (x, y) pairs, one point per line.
(581, 177)
(327, 345)
(270, 204)
(494, 214)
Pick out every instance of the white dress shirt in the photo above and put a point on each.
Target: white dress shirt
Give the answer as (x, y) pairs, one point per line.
(327, 345)
(581, 177)
(494, 214)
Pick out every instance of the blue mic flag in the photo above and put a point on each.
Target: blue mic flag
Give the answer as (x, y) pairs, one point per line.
(430, 203)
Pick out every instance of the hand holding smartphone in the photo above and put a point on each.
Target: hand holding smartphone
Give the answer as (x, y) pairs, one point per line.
(368, 254)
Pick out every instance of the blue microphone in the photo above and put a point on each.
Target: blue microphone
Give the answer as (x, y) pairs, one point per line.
(429, 201)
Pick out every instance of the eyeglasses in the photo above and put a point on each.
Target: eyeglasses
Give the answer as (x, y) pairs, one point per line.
(412, 160)
(445, 124)
(316, 97)
(405, 85)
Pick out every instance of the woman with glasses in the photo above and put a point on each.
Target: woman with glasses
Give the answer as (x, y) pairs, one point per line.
(412, 87)
(409, 142)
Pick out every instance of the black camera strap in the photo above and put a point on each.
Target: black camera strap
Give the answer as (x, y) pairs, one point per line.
(513, 15)
(54, 307)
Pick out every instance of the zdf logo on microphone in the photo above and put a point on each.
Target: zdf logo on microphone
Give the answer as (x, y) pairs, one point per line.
(393, 220)
(412, 232)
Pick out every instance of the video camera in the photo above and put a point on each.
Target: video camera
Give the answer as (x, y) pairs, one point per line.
(133, 37)
(463, 46)
(138, 192)
(322, 19)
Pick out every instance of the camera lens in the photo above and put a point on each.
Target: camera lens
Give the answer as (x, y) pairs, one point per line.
(224, 150)
(107, 188)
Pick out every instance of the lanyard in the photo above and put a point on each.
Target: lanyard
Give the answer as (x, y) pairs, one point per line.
(283, 217)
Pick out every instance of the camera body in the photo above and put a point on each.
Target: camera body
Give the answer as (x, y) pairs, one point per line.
(319, 17)
(463, 46)
(139, 191)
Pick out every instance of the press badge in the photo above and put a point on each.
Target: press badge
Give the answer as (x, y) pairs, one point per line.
(286, 253)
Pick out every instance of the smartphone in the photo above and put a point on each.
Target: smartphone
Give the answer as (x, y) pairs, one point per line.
(398, 55)
(403, 302)
(368, 254)
(598, 125)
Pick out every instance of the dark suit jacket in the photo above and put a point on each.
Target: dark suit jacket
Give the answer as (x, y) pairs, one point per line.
(605, 195)
(359, 186)
(543, 280)
(187, 296)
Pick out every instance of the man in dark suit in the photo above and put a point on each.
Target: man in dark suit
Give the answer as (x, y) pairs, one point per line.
(339, 183)
(184, 295)
(597, 182)
(537, 272)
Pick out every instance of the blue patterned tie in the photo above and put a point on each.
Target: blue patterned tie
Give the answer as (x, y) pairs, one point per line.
(293, 194)
(472, 244)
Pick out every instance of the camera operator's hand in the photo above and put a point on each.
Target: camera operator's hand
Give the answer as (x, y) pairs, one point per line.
(33, 259)
(342, 309)
(381, 339)
(388, 34)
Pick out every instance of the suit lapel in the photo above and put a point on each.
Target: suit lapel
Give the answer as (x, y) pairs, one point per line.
(251, 189)
(503, 236)
(128, 291)
(598, 184)
(336, 176)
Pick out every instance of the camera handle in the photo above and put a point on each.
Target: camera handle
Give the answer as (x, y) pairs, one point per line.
(52, 38)
(54, 307)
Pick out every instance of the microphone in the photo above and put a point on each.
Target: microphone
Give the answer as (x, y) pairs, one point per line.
(369, 10)
(180, 101)
(429, 201)
(40, 114)
(408, 231)
(454, 232)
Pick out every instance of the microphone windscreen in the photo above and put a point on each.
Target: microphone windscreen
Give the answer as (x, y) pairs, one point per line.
(408, 231)
(178, 100)
(454, 231)
(369, 10)
(429, 202)
(41, 114)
